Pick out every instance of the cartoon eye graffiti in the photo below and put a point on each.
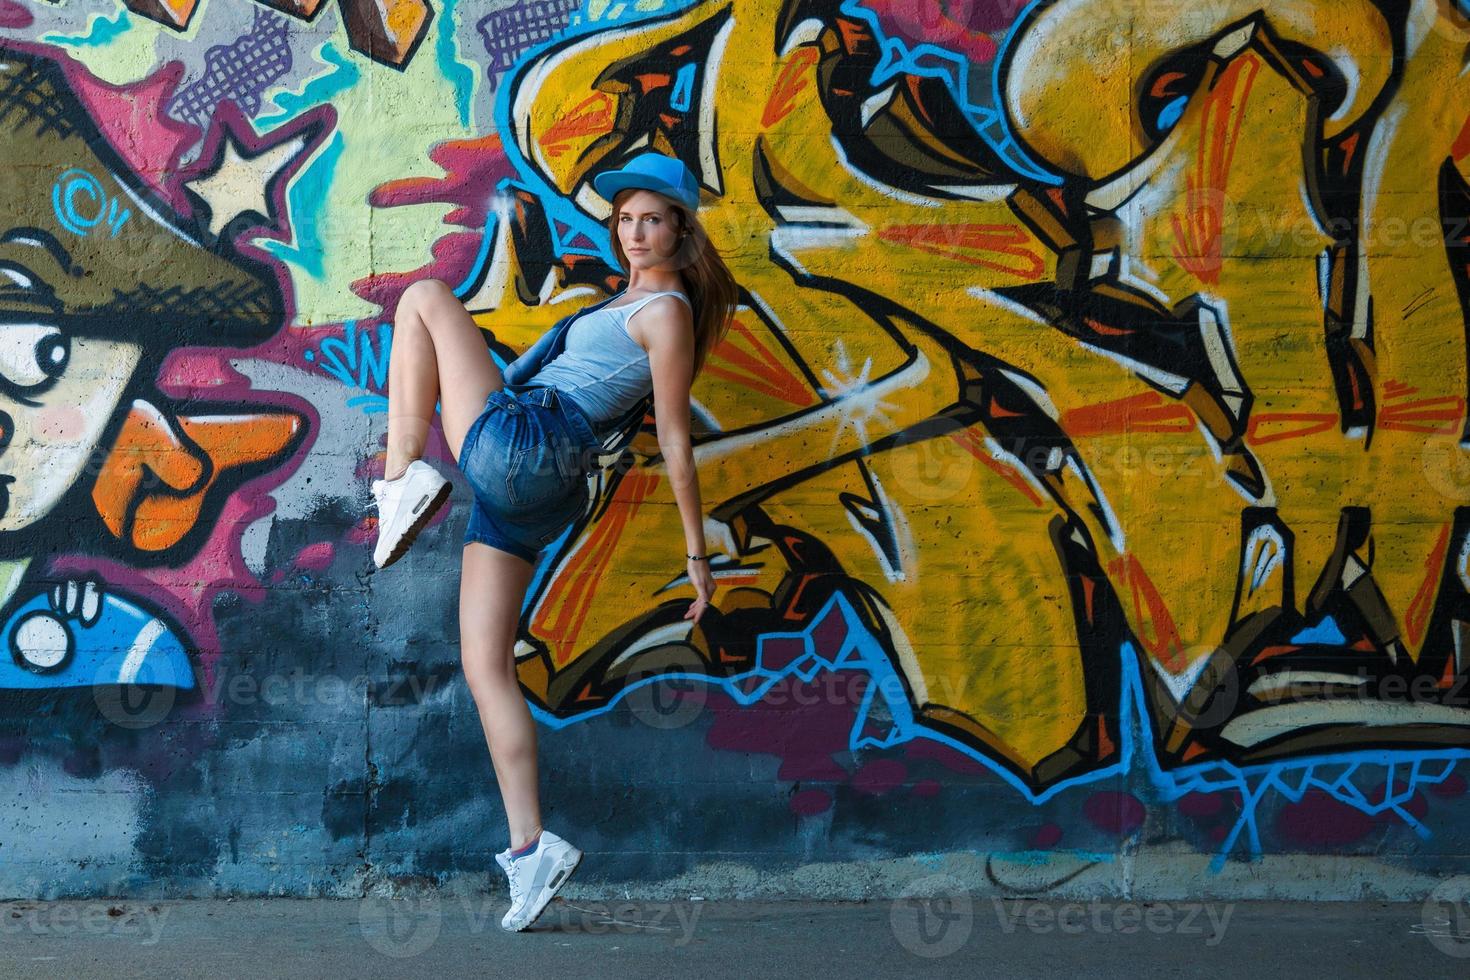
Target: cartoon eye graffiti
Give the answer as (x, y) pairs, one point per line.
(21, 284)
(32, 356)
(1165, 93)
(13, 277)
(1168, 89)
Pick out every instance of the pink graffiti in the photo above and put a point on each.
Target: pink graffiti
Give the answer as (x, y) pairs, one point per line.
(472, 168)
(962, 26)
(1320, 821)
(315, 557)
(1114, 812)
(13, 15)
(133, 120)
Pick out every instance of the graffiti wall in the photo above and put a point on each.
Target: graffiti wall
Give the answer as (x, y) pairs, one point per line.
(1087, 469)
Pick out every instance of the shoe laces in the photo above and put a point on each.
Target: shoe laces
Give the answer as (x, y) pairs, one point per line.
(380, 490)
(512, 871)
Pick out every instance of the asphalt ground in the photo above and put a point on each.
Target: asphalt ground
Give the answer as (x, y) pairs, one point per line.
(451, 934)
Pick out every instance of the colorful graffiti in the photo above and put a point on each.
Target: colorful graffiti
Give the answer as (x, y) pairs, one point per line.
(388, 33)
(103, 283)
(1100, 405)
(1125, 387)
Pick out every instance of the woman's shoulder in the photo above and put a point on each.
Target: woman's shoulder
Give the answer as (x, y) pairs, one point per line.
(671, 298)
(664, 307)
(662, 314)
(645, 297)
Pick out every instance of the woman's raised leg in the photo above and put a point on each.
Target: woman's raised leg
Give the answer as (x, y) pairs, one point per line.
(439, 356)
(492, 587)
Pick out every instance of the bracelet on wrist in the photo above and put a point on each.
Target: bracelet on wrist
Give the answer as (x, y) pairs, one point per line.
(697, 557)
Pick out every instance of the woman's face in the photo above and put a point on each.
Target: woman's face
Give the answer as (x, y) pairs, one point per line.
(648, 230)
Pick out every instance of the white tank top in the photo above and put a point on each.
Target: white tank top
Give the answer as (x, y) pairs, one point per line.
(603, 369)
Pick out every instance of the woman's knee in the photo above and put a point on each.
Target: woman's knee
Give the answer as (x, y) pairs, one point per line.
(487, 672)
(422, 293)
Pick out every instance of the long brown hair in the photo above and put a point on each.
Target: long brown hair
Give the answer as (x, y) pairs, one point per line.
(709, 284)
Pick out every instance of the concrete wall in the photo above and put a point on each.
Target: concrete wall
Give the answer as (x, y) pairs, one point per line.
(1087, 469)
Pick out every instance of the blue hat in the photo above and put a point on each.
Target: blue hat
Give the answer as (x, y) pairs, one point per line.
(652, 172)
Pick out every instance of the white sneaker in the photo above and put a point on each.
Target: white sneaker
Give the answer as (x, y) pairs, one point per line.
(535, 878)
(405, 505)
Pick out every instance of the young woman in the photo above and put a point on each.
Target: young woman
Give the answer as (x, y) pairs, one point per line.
(526, 449)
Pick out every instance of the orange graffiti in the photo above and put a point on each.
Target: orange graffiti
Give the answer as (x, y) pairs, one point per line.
(593, 116)
(1417, 617)
(970, 243)
(788, 85)
(1156, 629)
(560, 616)
(1315, 422)
(1144, 412)
(1198, 244)
(750, 364)
(152, 485)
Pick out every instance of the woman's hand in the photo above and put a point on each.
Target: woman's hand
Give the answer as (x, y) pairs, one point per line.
(704, 586)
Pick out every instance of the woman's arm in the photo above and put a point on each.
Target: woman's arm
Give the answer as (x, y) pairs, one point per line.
(668, 326)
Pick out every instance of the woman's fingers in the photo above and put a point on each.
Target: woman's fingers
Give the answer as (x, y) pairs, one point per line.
(704, 588)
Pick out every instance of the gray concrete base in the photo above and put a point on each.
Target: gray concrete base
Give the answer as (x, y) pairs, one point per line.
(1160, 872)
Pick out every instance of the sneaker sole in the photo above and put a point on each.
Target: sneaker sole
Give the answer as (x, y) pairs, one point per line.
(418, 525)
(552, 888)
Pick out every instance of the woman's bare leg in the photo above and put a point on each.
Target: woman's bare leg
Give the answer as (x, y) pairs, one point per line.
(439, 356)
(491, 589)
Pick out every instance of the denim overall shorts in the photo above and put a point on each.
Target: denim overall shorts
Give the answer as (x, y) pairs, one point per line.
(526, 457)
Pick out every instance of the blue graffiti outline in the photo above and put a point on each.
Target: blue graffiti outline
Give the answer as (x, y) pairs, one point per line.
(305, 199)
(997, 86)
(862, 651)
(899, 57)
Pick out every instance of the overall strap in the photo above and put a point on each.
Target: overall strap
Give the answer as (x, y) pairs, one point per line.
(548, 346)
(638, 304)
(559, 342)
(622, 431)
